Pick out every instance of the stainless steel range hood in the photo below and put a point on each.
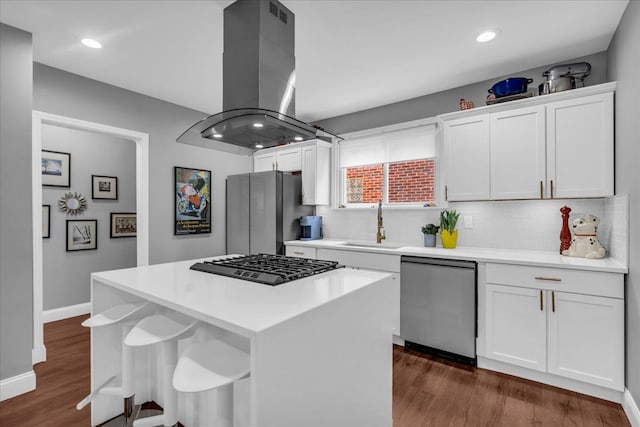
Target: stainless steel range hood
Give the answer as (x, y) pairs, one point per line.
(258, 83)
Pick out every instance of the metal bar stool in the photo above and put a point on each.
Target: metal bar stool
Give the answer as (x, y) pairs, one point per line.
(124, 316)
(212, 365)
(164, 329)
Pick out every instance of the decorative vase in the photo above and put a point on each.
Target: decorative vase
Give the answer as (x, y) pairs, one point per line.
(449, 240)
(429, 240)
(565, 234)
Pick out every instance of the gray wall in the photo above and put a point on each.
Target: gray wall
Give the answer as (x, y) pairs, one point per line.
(624, 67)
(59, 92)
(65, 273)
(16, 277)
(448, 101)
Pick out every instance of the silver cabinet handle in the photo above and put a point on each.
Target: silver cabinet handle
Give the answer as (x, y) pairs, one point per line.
(550, 279)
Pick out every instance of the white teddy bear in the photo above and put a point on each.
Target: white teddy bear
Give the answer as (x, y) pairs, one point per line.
(584, 242)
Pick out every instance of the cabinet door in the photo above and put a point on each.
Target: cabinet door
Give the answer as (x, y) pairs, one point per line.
(288, 159)
(263, 162)
(516, 326)
(518, 153)
(580, 146)
(586, 339)
(316, 171)
(468, 160)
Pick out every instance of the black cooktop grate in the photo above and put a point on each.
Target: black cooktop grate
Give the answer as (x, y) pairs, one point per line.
(267, 269)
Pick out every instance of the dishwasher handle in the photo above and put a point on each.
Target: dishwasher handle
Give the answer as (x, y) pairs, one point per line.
(438, 261)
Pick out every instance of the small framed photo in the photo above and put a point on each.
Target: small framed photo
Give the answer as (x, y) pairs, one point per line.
(46, 221)
(123, 224)
(104, 187)
(82, 234)
(56, 169)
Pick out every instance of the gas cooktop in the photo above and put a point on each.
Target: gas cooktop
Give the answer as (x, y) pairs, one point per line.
(266, 269)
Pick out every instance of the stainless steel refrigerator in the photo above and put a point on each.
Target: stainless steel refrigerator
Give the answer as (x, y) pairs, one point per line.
(263, 211)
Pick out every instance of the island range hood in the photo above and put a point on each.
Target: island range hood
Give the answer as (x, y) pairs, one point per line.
(258, 83)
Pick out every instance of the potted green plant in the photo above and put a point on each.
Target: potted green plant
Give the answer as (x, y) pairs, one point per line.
(430, 231)
(448, 233)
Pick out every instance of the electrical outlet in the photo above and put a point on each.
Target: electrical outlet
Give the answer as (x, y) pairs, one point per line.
(468, 221)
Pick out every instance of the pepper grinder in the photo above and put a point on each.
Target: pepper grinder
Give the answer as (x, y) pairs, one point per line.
(565, 234)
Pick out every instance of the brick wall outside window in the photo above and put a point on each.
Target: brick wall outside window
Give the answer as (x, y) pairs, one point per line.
(364, 184)
(410, 181)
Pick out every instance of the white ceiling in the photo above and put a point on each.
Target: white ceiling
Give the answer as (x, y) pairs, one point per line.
(350, 55)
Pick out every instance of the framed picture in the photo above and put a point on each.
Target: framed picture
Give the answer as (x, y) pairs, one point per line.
(82, 234)
(192, 201)
(46, 221)
(56, 169)
(123, 224)
(104, 187)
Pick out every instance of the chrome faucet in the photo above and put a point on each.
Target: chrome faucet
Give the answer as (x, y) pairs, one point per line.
(380, 234)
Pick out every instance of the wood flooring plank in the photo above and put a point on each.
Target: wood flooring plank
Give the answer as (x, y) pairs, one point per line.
(427, 392)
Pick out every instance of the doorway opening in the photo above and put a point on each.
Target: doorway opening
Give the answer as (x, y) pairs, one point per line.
(142, 204)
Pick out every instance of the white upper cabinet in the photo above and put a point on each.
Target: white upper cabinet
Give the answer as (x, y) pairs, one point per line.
(312, 158)
(264, 161)
(286, 159)
(467, 158)
(580, 147)
(552, 146)
(518, 153)
(316, 167)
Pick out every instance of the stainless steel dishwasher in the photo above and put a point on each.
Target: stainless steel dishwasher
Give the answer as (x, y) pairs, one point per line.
(438, 307)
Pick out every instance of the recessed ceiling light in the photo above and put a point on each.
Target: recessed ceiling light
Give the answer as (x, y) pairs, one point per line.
(298, 138)
(257, 125)
(217, 135)
(486, 36)
(93, 44)
(258, 145)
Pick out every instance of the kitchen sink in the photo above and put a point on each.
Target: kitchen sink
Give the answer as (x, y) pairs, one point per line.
(370, 244)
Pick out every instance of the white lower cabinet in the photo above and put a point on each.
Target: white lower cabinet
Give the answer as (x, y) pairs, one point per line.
(300, 251)
(543, 319)
(586, 339)
(516, 326)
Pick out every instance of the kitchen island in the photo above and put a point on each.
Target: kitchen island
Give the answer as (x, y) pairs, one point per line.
(320, 347)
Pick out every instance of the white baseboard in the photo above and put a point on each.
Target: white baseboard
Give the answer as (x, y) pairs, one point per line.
(553, 380)
(66, 312)
(38, 354)
(631, 409)
(17, 385)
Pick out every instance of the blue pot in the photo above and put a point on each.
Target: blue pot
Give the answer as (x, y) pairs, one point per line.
(510, 86)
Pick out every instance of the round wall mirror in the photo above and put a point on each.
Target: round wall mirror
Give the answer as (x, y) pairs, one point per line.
(72, 203)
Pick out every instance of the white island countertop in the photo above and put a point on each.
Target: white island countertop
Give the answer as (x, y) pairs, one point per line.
(314, 344)
(503, 256)
(237, 305)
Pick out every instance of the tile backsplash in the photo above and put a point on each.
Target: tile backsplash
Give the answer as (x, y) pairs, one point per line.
(527, 224)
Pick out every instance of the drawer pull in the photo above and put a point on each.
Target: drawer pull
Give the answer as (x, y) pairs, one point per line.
(541, 305)
(553, 301)
(550, 279)
(298, 253)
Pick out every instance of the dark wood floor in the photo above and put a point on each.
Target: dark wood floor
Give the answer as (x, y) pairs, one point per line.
(426, 392)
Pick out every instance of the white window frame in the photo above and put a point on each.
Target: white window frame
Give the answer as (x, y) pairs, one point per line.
(339, 181)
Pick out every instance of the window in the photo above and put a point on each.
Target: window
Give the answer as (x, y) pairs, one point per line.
(396, 165)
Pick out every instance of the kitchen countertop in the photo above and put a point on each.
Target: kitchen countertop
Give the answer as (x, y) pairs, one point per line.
(503, 256)
(241, 306)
